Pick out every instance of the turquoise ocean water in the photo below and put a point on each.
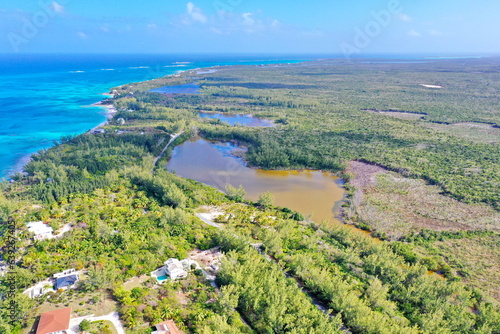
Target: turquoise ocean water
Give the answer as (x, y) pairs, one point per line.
(45, 97)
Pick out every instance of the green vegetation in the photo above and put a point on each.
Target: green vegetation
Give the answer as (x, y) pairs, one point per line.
(236, 194)
(324, 120)
(191, 303)
(269, 300)
(85, 325)
(326, 124)
(473, 256)
(375, 287)
(476, 132)
(127, 216)
(266, 199)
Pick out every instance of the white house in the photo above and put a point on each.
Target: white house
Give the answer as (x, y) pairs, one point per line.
(39, 289)
(63, 280)
(41, 230)
(174, 269)
(65, 273)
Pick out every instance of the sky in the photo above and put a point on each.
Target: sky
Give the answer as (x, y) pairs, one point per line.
(354, 27)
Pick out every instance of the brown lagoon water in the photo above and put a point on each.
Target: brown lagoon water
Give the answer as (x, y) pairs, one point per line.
(313, 193)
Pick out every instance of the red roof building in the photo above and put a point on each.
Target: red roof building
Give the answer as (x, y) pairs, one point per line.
(54, 322)
(166, 327)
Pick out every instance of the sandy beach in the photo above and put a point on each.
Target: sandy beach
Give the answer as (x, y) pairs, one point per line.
(110, 111)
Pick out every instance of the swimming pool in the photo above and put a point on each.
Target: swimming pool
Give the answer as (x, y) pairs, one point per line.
(162, 278)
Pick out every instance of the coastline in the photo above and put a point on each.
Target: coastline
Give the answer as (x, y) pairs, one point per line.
(25, 159)
(109, 113)
(18, 167)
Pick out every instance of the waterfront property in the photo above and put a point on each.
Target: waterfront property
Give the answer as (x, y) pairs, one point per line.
(54, 322)
(98, 131)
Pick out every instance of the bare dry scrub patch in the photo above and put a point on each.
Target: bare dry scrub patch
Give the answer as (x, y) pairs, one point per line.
(135, 282)
(398, 114)
(396, 205)
(365, 176)
(475, 132)
(476, 259)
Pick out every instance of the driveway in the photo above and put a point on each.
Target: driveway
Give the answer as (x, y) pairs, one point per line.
(205, 217)
(112, 317)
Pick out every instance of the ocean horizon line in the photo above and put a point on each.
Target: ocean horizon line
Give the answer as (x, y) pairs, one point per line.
(59, 97)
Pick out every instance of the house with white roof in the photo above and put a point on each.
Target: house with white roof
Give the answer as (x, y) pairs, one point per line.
(65, 273)
(41, 230)
(174, 269)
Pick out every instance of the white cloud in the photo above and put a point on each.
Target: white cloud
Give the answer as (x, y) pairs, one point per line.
(403, 17)
(57, 7)
(196, 13)
(82, 35)
(413, 33)
(234, 23)
(152, 26)
(247, 19)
